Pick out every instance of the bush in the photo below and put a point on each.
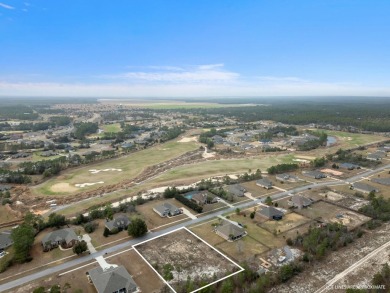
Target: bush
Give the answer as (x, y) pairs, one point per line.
(106, 232)
(90, 227)
(137, 227)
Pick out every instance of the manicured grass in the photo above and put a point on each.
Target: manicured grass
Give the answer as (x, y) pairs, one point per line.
(131, 165)
(222, 167)
(347, 139)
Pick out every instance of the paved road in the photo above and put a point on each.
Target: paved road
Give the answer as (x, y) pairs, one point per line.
(127, 244)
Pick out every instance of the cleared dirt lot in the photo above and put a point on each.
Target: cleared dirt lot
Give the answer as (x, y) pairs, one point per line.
(289, 221)
(187, 255)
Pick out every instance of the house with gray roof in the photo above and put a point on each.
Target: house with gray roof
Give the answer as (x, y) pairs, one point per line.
(264, 182)
(364, 188)
(167, 210)
(119, 222)
(236, 189)
(349, 166)
(377, 156)
(314, 174)
(112, 280)
(286, 177)
(204, 197)
(64, 237)
(271, 213)
(383, 181)
(298, 201)
(230, 230)
(5, 188)
(5, 240)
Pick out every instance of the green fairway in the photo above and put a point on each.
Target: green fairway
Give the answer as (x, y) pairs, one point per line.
(222, 167)
(130, 166)
(347, 139)
(112, 127)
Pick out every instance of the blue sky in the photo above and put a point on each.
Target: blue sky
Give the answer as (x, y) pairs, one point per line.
(141, 48)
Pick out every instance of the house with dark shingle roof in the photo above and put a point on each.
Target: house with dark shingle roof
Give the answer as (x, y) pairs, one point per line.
(204, 197)
(264, 182)
(271, 213)
(119, 222)
(363, 187)
(167, 210)
(383, 181)
(349, 166)
(298, 201)
(377, 156)
(236, 189)
(286, 177)
(230, 230)
(5, 240)
(314, 174)
(112, 280)
(64, 237)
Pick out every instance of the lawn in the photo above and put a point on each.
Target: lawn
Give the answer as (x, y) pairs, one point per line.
(242, 249)
(131, 166)
(258, 191)
(289, 222)
(222, 167)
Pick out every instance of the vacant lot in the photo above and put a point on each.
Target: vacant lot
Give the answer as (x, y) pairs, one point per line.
(330, 213)
(131, 166)
(180, 255)
(7, 215)
(242, 249)
(289, 222)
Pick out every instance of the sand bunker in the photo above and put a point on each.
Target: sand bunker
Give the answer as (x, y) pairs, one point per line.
(188, 139)
(81, 185)
(63, 187)
(95, 171)
(208, 155)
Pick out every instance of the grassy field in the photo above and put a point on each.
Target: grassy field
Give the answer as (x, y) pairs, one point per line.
(347, 139)
(242, 249)
(221, 167)
(289, 221)
(116, 127)
(131, 165)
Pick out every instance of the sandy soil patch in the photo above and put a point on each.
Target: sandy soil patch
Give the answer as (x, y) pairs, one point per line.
(333, 172)
(62, 187)
(188, 139)
(81, 185)
(96, 171)
(207, 155)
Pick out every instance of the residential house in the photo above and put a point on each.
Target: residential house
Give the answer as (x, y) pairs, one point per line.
(49, 153)
(5, 240)
(119, 222)
(204, 197)
(217, 139)
(349, 166)
(235, 189)
(230, 230)
(167, 210)
(314, 174)
(286, 177)
(264, 182)
(383, 181)
(364, 188)
(64, 237)
(271, 213)
(112, 280)
(377, 156)
(298, 201)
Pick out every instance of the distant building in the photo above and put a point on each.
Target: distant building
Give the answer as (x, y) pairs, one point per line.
(287, 177)
(119, 222)
(236, 189)
(314, 174)
(364, 188)
(349, 166)
(112, 280)
(64, 237)
(377, 156)
(167, 210)
(383, 181)
(230, 230)
(264, 182)
(298, 201)
(271, 213)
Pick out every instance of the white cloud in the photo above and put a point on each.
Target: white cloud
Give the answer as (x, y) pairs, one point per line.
(6, 6)
(173, 74)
